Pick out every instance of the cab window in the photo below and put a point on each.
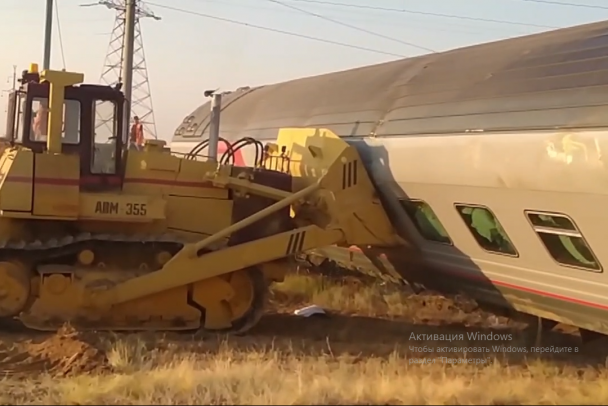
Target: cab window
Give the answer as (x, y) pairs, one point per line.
(70, 131)
(104, 138)
(16, 106)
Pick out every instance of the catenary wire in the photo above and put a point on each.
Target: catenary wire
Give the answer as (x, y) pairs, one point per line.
(559, 3)
(408, 11)
(358, 12)
(354, 27)
(260, 27)
(59, 33)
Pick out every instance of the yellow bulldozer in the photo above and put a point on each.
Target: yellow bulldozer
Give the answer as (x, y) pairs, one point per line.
(107, 238)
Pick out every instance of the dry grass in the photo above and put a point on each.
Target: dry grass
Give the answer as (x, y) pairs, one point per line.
(347, 296)
(290, 365)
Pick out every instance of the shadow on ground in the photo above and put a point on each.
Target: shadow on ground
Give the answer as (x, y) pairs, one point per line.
(366, 336)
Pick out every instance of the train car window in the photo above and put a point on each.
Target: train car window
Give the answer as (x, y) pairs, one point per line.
(425, 221)
(486, 229)
(563, 240)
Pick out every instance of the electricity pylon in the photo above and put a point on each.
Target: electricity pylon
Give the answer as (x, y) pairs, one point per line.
(112, 73)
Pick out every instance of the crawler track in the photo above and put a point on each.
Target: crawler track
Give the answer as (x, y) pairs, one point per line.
(120, 251)
(56, 247)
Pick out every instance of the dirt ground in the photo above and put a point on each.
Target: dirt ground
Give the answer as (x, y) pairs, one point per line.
(372, 348)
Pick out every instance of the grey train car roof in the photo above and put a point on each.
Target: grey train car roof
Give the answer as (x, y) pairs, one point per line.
(555, 79)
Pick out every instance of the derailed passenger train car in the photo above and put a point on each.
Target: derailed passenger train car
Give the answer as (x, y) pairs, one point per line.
(490, 159)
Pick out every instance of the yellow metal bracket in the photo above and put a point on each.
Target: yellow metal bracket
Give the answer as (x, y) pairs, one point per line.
(58, 81)
(245, 185)
(188, 267)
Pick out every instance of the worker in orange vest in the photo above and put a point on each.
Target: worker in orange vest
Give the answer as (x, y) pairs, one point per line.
(136, 139)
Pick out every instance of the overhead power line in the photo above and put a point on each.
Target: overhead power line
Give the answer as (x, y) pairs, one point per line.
(407, 11)
(259, 27)
(59, 33)
(352, 26)
(349, 13)
(559, 3)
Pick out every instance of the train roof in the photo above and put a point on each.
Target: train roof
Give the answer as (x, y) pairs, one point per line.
(555, 79)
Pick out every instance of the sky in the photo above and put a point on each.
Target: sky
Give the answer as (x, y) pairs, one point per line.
(187, 53)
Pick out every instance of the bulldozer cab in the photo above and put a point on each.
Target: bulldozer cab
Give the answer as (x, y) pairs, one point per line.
(87, 123)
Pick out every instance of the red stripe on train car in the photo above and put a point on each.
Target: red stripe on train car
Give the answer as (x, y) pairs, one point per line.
(484, 279)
